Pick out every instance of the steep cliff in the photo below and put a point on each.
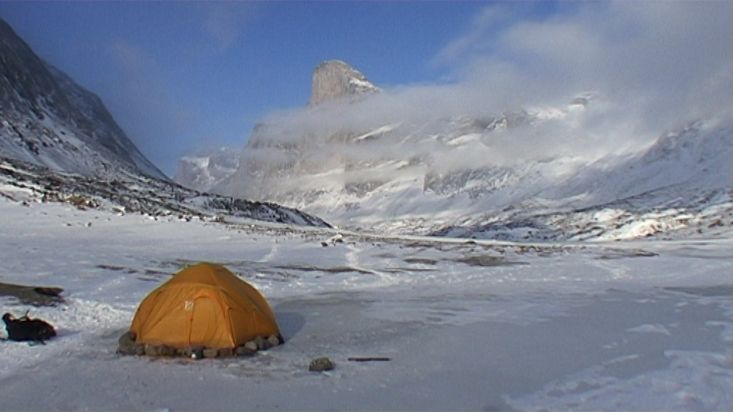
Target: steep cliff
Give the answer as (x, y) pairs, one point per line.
(335, 79)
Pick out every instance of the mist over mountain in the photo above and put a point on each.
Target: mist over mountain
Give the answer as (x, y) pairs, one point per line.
(49, 120)
(488, 175)
(204, 169)
(629, 119)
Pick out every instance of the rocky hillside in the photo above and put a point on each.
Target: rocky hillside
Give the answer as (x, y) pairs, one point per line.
(49, 120)
(134, 193)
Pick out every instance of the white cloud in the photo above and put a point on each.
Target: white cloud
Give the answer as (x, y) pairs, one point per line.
(480, 27)
(652, 56)
(653, 66)
(224, 23)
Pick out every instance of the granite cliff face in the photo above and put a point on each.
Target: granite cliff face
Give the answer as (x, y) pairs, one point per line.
(49, 120)
(334, 79)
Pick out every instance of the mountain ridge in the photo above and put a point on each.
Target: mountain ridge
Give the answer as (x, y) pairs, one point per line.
(455, 175)
(50, 120)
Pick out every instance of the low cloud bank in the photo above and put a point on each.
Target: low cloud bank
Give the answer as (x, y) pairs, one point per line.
(593, 80)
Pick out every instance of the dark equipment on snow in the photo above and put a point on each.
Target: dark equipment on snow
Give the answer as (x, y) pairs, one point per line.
(28, 329)
(369, 359)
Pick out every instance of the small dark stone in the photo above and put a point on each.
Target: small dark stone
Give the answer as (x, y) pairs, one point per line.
(197, 352)
(126, 349)
(151, 350)
(126, 344)
(244, 351)
(324, 244)
(262, 344)
(139, 349)
(252, 346)
(226, 352)
(273, 341)
(164, 350)
(321, 365)
(128, 336)
(210, 353)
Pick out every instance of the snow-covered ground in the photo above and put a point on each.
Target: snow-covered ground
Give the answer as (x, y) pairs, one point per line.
(468, 325)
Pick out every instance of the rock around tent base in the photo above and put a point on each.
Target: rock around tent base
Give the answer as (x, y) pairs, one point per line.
(203, 308)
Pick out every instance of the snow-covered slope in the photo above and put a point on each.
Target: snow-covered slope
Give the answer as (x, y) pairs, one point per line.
(133, 193)
(49, 120)
(204, 169)
(682, 185)
(536, 173)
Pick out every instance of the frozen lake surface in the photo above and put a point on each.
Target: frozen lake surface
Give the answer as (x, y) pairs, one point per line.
(633, 325)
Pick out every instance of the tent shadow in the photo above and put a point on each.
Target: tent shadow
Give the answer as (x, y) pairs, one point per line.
(290, 323)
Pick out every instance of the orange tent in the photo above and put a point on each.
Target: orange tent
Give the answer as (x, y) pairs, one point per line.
(203, 305)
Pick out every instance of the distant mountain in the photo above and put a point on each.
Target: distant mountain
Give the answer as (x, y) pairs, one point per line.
(335, 79)
(204, 169)
(441, 176)
(135, 193)
(49, 120)
(680, 186)
(58, 143)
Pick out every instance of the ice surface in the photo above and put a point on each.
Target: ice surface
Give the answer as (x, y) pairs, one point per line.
(479, 325)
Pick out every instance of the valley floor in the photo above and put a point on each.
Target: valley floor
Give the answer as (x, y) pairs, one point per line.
(633, 325)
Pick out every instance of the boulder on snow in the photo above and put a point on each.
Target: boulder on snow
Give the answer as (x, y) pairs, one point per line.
(151, 350)
(197, 352)
(261, 343)
(139, 349)
(210, 353)
(165, 350)
(245, 351)
(321, 365)
(126, 344)
(273, 341)
(226, 352)
(252, 346)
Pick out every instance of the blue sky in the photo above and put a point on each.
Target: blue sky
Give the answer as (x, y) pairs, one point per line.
(181, 76)
(184, 75)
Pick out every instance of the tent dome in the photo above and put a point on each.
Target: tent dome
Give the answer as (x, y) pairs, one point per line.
(203, 305)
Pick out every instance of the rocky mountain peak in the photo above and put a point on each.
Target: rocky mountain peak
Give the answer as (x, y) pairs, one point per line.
(335, 79)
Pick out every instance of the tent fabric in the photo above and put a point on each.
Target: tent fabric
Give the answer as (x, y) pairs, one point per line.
(203, 305)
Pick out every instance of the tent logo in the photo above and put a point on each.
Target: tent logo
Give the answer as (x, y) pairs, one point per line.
(188, 305)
